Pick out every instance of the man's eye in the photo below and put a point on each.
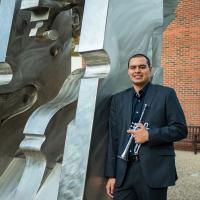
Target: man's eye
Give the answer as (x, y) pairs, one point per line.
(143, 66)
(133, 67)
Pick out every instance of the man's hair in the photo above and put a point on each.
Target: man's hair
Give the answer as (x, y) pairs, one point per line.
(140, 55)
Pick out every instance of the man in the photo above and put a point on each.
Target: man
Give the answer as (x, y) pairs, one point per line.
(147, 173)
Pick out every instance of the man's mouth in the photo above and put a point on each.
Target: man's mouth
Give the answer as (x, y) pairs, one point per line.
(137, 77)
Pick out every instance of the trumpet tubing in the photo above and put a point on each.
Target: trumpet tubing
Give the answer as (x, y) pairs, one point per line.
(124, 155)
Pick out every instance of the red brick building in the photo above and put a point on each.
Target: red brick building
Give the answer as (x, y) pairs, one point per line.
(181, 58)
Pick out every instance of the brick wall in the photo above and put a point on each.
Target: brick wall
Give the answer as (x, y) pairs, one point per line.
(181, 58)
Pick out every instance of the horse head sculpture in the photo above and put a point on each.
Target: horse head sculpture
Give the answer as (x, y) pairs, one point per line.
(39, 54)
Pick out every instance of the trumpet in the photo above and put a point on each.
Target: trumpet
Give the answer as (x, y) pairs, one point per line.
(137, 146)
(124, 155)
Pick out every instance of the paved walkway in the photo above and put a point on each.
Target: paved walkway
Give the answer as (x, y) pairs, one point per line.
(188, 185)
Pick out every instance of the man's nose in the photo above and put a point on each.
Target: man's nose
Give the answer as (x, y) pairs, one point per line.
(137, 69)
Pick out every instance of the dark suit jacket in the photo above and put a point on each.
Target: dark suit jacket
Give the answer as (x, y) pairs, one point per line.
(166, 125)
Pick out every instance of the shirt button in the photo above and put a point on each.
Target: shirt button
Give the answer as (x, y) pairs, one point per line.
(137, 112)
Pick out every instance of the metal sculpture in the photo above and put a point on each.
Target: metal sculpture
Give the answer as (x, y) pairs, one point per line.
(38, 103)
(40, 66)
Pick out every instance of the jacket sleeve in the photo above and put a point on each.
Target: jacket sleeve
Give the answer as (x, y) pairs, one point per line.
(176, 128)
(110, 166)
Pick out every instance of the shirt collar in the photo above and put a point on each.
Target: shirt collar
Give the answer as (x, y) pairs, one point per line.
(142, 92)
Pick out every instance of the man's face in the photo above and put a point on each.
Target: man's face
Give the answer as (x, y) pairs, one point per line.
(139, 71)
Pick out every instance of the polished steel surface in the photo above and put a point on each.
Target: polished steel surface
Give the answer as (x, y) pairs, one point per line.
(34, 30)
(96, 57)
(49, 189)
(100, 71)
(41, 16)
(77, 143)
(67, 95)
(27, 4)
(7, 9)
(5, 73)
(11, 178)
(35, 136)
(38, 74)
(37, 15)
(34, 170)
(5, 79)
(94, 20)
(79, 132)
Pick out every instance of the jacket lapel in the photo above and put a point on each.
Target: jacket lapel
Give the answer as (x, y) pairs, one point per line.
(128, 107)
(151, 93)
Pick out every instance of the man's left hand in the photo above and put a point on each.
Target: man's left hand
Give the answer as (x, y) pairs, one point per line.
(141, 135)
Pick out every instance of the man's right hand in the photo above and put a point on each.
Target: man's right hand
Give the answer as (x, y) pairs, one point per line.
(110, 186)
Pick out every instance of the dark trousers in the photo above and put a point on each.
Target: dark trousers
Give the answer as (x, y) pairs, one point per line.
(135, 188)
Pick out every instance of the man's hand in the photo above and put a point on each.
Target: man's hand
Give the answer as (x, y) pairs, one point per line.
(110, 186)
(141, 135)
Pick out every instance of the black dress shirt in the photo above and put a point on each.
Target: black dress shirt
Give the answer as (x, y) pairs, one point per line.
(138, 102)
